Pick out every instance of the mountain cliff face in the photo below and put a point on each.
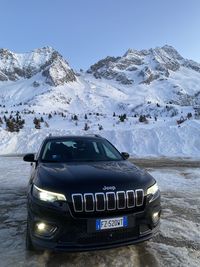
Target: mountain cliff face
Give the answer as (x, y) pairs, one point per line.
(45, 61)
(142, 67)
(134, 82)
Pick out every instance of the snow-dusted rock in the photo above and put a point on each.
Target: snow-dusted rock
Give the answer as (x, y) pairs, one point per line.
(46, 61)
(150, 64)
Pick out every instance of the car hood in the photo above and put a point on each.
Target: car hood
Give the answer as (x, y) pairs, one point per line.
(68, 178)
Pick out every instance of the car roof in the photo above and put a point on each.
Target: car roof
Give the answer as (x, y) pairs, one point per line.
(94, 136)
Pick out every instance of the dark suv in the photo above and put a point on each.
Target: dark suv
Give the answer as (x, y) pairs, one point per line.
(84, 195)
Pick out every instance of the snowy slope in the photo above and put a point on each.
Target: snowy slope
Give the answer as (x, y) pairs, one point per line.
(157, 83)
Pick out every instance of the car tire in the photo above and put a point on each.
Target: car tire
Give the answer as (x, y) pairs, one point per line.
(29, 245)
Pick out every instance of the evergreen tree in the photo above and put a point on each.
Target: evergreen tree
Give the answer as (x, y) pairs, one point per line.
(122, 118)
(142, 118)
(37, 123)
(74, 117)
(86, 127)
(10, 126)
(100, 127)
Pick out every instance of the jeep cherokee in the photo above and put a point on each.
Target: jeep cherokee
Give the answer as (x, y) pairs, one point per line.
(84, 194)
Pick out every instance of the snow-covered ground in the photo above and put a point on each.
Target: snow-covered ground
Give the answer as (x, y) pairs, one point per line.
(94, 102)
(155, 138)
(177, 245)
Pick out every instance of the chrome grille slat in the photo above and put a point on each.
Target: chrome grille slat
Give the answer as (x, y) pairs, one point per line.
(129, 194)
(107, 201)
(139, 200)
(118, 200)
(87, 202)
(74, 201)
(97, 200)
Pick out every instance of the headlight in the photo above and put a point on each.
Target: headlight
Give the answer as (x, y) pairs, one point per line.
(47, 195)
(152, 190)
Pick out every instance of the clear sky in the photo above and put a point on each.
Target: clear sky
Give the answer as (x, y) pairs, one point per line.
(84, 31)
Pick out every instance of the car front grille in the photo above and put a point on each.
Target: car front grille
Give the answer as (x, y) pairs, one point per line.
(108, 201)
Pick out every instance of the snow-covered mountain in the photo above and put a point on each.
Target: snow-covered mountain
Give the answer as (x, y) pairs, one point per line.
(158, 83)
(137, 67)
(156, 70)
(45, 61)
(138, 78)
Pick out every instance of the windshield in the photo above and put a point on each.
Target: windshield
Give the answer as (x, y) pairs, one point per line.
(79, 150)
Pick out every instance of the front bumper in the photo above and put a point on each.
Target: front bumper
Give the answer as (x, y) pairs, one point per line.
(79, 234)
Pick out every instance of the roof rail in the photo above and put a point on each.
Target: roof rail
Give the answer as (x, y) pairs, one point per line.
(94, 135)
(98, 135)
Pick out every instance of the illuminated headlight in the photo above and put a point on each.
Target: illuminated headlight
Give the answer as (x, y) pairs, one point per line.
(47, 195)
(152, 190)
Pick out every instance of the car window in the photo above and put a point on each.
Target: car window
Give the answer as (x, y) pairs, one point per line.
(96, 147)
(79, 150)
(109, 153)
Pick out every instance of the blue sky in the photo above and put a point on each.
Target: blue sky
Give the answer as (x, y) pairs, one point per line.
(84, 31)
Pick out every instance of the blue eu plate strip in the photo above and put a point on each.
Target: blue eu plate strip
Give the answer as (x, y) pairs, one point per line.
(98, 224)
(125, 221)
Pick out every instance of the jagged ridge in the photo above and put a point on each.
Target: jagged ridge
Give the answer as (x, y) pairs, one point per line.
(136, 67)
(46, 61)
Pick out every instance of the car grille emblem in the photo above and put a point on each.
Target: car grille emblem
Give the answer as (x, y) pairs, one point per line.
(109, 188)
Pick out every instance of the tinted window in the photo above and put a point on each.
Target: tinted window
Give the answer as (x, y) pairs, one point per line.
(79, 150)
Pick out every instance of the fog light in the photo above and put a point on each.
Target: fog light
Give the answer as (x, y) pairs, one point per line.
(44, 229)
(41, 227)
(155, 216)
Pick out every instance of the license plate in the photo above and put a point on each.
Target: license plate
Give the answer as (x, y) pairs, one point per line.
(111, 223)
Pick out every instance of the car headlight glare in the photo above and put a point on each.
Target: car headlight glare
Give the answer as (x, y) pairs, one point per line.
(152, 190)
(48, 196)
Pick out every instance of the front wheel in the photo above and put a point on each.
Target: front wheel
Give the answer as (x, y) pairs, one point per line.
(29, 245)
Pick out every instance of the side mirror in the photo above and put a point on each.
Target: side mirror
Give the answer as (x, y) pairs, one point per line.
(125, 155)
(29, 158)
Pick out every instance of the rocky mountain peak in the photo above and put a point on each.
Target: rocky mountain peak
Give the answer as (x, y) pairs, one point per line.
(5, 52)
(45, 61)
(132, 52)
(142, 66)
(171, 51)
